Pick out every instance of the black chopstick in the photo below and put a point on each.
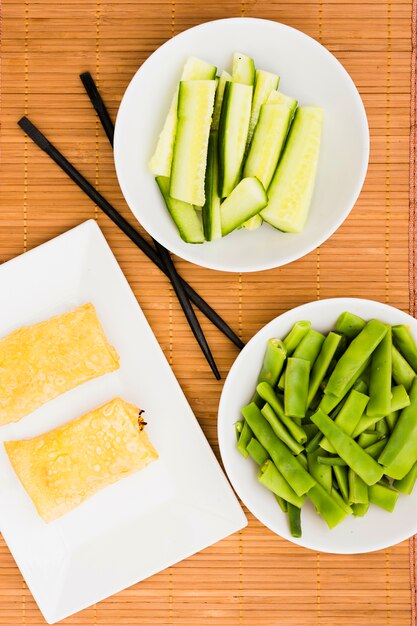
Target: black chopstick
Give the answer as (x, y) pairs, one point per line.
(105, 119)
(44, 144)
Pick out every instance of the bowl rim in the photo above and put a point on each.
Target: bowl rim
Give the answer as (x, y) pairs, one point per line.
(231, 266)
(221, 430)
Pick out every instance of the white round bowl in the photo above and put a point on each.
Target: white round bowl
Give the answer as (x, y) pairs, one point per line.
(308, 72)
(377, 529)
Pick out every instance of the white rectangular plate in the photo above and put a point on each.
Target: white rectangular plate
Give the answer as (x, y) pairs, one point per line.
(177, 506)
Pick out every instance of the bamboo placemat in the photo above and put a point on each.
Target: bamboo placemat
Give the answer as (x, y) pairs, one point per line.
(252, 578)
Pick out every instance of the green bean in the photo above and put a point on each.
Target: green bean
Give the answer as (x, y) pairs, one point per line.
(294, 518)
(406, 484)
(314, 443)
(361, 385)
(392, 419)
(308, 349)
(404, 341)
(273, 363)
(331, 460)
(257, 451)
(358, 490)
(349, 416)
(399, 398)
(268, 394)
(356, 458)
(359, 510)
(245, 437)
(303, 460)
(280, 430)
(238, 429)
(322, 363)
(293, 472)
(310, 430)
(356, 355)
(349, 324)
(402, 372)
(367, 439)
(400, 453)
(321, 473)
(341, 474)
(273, 480)
(283, 504)
(337, 497)
(383, 496)
(296, 334)
(381, 375)
(296, 387)
(330, 401)
(365, 423)
(331, 511)
(382, 428)
(375, 449)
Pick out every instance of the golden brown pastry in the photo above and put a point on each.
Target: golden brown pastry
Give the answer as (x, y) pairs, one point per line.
(39, 362)
(65, 466)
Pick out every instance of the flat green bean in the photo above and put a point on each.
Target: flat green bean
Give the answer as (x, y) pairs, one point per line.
(356, 458)
(303, 460)
(238, 429)
(375, 449)
(356, 355)
(358, 490)
(321, 473)
(404, 341)
(296, 387)
(268, 394)
(406, 484)
(382, 428)
(349, 324)
(314, 443)
(294, 519)
(257, 451)
(399, 398)
(245, 437)
(330, 401)
(297, 477)
(331, 460)
(367, 439)
(280, 430)
(308, 349)
(359, 510)
(365, 423)
(296, 334)
(349, 416)
(283, 504)
(322, 364)
(326, 506)
(400, 453)
(402, 372)
(310, 430)
(392, 419)
(341, 475)
(383, 496)
(273, 480)
(273, 362)
(380, 380)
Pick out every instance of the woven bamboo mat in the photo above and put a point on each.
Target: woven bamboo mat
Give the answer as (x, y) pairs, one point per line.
(253, 578)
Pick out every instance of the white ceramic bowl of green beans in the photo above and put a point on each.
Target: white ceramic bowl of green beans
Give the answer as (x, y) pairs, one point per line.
(378, 528)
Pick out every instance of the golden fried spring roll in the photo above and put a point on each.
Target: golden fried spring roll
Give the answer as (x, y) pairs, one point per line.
(65, 466)
(39, 362)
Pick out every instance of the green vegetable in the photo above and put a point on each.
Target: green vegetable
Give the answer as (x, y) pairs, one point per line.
(224, 78)
(211, 209)
(349, 324)
(273, 362)
(392, 419)
(296, 387)
(358, 490)
(368, 438)
(321, 473)
(238, 429)
(243, 69)
(293, 472)
(283, 504)
(406, 484)
(329, 401)
(404, 341)
(382, 428)
(400, 453)
(359, 510)
(399, 398)
(402, 372)
(381, 374)
(322, 363)
(383, 496)
(349, 416)
(363, 464)
(356, 355)
(313, 444)
(183, 214)
(266, 392)
(265, 82)
(330, 510)
(296, 334)
(245, 200)
(257, 451)
(341, 475)
(308, 349)
(375, 449)
(272, 478)
(331, 460)
(280, 430)
(244, 439)
(294, 518)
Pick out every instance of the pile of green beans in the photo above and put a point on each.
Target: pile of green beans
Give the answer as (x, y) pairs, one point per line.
(333, 419)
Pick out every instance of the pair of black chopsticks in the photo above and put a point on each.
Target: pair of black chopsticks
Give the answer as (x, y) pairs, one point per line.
(158, 255)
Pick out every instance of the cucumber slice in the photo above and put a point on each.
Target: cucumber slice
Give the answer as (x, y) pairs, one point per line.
(195, 109)
(183, 214)
(245, 201)
(292, 186)
(211, 209)
(265, 82)
(276, 97)
(243, 69)
(268, 142)
(224, 78)
(160, 163)
(254, 223)
(233, 131)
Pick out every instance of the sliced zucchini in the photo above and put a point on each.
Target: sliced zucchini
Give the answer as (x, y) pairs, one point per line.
(292, 186)
(268, 142)
(265, 82)
(160, 163)
(224, 78)
(233, 131)
(195, 110)
(245, 201)
(243, 69)
(183, 214)
(211, 209)
(276, 97)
